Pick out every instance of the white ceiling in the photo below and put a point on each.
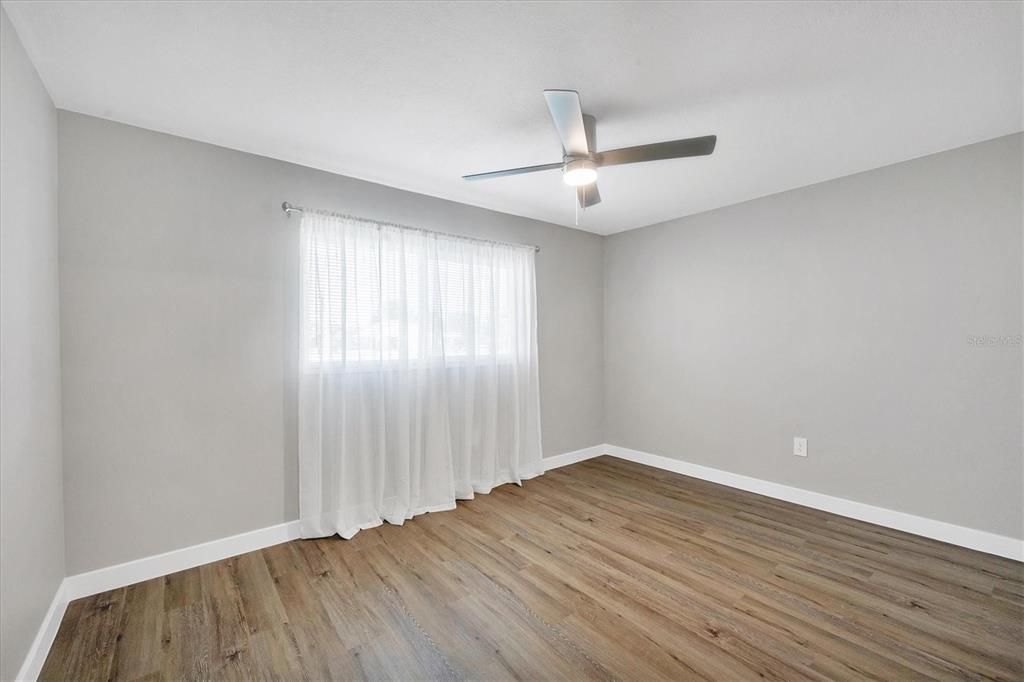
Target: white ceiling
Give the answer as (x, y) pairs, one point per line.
(414, 95)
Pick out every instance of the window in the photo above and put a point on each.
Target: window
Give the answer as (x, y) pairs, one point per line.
(376, 296)
(419, 376)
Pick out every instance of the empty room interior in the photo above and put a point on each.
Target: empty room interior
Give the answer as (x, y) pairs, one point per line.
(511, 340)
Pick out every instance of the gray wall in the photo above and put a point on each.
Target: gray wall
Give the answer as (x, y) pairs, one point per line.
(31, 510)
(842, 312)
(178, 272)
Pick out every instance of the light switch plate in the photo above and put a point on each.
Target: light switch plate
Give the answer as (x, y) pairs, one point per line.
(800, 447)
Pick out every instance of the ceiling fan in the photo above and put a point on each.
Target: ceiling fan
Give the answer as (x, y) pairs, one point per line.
(580, 158)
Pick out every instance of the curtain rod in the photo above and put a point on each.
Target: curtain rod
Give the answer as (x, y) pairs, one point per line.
(291, 208)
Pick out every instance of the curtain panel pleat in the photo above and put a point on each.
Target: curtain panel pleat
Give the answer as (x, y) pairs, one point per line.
(418, 377)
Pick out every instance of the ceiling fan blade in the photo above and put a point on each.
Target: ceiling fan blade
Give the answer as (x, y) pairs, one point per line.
(588, 195)
(567, 115)
(590, 126)
(512, 171)
(676, 149)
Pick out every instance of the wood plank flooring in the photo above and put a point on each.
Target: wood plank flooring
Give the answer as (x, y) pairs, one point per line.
(602, 570)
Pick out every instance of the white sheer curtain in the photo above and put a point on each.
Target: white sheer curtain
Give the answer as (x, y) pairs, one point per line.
(418, 379)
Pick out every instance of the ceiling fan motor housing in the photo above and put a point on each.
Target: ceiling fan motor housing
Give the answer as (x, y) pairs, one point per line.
(579, 172)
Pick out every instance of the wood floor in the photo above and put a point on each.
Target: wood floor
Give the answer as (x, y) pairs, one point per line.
(601, 570)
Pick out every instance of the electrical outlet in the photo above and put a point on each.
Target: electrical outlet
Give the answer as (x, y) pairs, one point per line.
(800, 447)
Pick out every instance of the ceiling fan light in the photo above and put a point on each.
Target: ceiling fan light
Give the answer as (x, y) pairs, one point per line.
(579, 172)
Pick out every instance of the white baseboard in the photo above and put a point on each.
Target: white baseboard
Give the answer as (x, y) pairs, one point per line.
(131, 572)
(567, 458)
(113, 577)
(983, 541)
(128, 573)
(36, 655)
